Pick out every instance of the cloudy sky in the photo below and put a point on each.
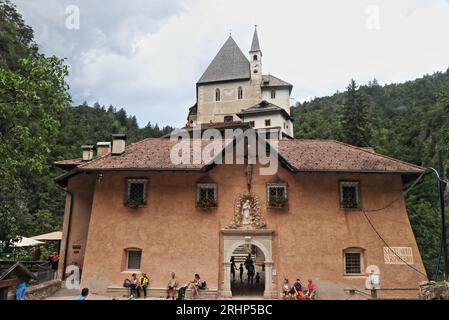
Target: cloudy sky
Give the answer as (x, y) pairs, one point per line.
(146, 55)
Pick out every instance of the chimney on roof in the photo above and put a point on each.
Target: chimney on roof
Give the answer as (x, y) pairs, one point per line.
(88, 152)
(118, 144)
(103, 148)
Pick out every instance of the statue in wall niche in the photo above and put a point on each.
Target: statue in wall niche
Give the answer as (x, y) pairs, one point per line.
(247, 213)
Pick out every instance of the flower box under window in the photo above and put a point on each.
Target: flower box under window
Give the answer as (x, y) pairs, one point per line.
(136, 193)
(206, 195)
(277, 195)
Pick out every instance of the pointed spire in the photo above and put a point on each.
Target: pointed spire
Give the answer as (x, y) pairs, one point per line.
(255, 44)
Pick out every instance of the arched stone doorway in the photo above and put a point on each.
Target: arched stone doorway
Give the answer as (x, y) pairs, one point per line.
(246, 283)
(262, 240)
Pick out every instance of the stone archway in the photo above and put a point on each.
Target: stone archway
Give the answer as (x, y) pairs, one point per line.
(262, 238)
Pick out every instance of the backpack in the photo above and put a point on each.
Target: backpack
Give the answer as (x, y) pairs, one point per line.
(126, 283)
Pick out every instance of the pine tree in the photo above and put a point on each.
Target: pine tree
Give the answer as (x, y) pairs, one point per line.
(355, 121)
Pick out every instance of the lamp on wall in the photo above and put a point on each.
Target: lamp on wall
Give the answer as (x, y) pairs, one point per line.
(100, 177)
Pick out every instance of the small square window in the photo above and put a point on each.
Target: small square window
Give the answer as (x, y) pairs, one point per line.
(277, 195)
(252, 124)
(349, 195)
(136, 192)
(267, 122)
(206, 195)
(228, 119)
(133, 258)
(352, 262)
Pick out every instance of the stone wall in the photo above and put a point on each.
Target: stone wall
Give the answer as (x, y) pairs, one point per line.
(39, 291)
(434, 290)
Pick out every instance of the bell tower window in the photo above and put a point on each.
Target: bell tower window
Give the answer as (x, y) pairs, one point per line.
(217, 94)
(255, 57)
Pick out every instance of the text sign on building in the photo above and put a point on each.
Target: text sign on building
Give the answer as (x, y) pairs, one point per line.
(398, 255)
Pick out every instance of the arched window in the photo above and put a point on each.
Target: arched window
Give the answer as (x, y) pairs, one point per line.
(217, 94)
(255, 57)
(240, 93)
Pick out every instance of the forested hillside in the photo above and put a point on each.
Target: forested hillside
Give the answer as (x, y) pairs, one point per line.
(408, 121)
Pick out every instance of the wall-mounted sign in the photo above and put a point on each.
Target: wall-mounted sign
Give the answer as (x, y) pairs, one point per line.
(398, 255)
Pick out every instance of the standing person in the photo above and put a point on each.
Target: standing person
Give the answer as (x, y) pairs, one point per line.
(257, 278)
(20, 290)
(171, 286)
(133, 285)
(195, 284)
(233, 267)
(54, 260)
(248, 261)
(84, 294)
(143, 284)
(241, 273)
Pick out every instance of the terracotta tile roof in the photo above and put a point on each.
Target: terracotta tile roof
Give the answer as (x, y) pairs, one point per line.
(295, 154)
(151, 153)
(331, 155)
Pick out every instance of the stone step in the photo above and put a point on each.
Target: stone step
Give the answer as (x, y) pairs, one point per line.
(210, 294)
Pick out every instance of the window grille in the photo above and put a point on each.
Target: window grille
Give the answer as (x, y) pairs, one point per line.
(206, 195)
(136, 192)
(277, 195)
(349, 194)
(353, 262)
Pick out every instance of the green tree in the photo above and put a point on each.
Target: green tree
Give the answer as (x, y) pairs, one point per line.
(31, 101)
(355, 126)
(16, 38)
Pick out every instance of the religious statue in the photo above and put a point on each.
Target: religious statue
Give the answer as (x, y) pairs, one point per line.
(246, 213)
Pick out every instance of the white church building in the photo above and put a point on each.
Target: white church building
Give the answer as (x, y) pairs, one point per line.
(234, 90)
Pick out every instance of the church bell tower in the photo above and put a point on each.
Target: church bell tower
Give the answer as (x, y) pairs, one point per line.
(255, 55)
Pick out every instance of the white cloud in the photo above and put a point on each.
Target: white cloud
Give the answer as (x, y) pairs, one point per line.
(148, 56)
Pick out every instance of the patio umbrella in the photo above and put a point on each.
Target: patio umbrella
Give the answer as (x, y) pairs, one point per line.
(26, 242)
(57, 235)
